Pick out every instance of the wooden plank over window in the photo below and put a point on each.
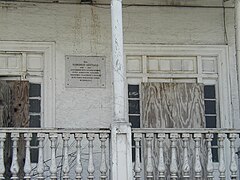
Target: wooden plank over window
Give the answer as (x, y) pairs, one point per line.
(174, 105)
(19, 103)
(15, 102)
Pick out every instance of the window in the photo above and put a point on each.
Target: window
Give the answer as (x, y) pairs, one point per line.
(24, 109)
(182, 64)
(35, 62)
(134, 105)
(210, 102)
(134, 111)
(35, 105)
(35, 114)
(210, 112)
(32, 63)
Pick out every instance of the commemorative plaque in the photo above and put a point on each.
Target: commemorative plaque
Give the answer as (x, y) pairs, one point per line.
(85, 71)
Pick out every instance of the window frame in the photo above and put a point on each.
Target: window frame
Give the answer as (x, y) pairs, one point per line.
(48, 79)
(223, 69)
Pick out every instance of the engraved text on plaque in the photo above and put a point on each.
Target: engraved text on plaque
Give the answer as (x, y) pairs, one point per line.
(85, 71)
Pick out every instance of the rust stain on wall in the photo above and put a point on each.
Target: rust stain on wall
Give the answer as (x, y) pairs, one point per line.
(95, 29)
(77, 29)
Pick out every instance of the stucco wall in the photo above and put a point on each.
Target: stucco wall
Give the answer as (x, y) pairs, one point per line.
(86, 30)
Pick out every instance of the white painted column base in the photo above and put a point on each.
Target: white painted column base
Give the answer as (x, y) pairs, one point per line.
(121, 151)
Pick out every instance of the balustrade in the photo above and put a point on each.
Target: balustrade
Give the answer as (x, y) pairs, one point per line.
(62, 153)
(159, 154)
(185, 153)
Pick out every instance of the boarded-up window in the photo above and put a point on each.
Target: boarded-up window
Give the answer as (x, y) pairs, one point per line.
(15, 113)
(174, 105)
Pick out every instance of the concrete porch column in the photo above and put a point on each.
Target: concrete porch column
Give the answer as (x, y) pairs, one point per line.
(121, 158)
(237, 44)
(237, 38)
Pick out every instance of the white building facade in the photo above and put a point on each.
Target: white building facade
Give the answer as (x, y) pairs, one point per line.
(144, 43)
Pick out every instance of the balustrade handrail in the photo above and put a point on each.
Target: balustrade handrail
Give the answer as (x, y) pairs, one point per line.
(53, 130)
(106, 130)
(186, 130)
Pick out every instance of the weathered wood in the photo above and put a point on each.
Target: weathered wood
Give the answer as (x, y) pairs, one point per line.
(14, 100)
(19, 103)
(5, 96)
(174, 105)
(4, 103)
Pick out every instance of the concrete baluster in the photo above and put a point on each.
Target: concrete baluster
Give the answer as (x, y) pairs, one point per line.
(53, 166)
(233, 164)
(66, 169)
(79, 168)
(91, 169)
(197, 166)
(173, 165)
(149, 162)
(209, 138)
(40, 165)
(137, 165)
(2, 165)
(161, 163)
(27, 166)
(14, 167)
(221, 167)
(186, 166)
(103, 165)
